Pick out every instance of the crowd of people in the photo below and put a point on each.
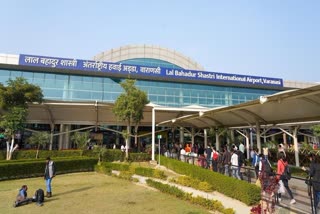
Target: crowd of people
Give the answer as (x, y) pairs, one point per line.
(231, 161)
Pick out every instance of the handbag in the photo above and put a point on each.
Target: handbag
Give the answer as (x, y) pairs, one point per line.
(281, 187)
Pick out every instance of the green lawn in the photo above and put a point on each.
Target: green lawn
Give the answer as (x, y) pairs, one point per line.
(93, 193)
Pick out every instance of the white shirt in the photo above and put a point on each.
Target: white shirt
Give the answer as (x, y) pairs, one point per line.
(182, 152)
(234, 160)
(252, 154)
(241, 148)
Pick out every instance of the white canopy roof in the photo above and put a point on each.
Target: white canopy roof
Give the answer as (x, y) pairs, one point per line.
(286, 108)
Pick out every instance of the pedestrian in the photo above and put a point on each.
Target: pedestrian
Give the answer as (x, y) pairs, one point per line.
(208, 152)
(226, 160)
(49, 173)
(215, 156)
(201, 157)
(255, 162)
(282, 163)
(235, 164)
(314, 174)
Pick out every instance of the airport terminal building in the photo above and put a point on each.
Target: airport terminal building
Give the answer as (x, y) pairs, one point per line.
(80, 93)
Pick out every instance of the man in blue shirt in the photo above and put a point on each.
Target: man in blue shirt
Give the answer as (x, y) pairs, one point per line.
(22, 197)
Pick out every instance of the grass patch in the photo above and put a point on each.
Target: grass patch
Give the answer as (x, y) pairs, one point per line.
(93, 193)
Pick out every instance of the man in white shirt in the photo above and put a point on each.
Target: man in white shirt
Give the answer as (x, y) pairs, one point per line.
(235, 165)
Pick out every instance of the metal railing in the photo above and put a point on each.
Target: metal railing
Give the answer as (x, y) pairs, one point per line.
(248, 174)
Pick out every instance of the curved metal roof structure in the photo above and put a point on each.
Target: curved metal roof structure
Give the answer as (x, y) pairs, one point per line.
(148, 51)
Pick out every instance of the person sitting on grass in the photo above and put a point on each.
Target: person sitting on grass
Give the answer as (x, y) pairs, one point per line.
(22, 197)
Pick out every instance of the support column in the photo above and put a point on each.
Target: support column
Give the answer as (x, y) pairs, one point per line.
(296, 148)
(51, 136)
(205, 134)
(284, 136)
(217, 141)
(264, 136)
(247, 144)
(228, 138)
(67, 137)
(251, 138)
(295, 142)
(61, 137)
(181, 135)
(153, 133)
(192, 136)
(233, 141)
(258, 137)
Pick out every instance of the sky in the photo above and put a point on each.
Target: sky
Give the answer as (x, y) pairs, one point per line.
(272, 38)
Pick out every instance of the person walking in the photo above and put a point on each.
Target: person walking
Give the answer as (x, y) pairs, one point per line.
(314, 174)
(208, 153)
(49, 173)
(235, 164)
(282, 163)
(226, 158)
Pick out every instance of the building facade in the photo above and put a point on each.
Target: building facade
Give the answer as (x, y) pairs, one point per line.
(170, 80)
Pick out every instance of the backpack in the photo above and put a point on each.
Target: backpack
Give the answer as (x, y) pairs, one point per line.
(286, 173)
(39, 196)
(215, 156)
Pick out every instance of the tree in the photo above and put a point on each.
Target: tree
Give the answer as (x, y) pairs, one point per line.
(316, 130)
(19, 92)
(39, 139)
(80, 139)
(129, 108)
(14, 99)
(11, 122)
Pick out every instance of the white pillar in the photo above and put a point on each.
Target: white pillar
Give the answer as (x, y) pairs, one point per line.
(51, 136)
(258, 137)
(153, 133)
(67, 137)
(61, 137)
(233, 141)
(264, 136)
(205, 138)
(217, 141)
(192, 136)
(296, 148)
(285, 140)
(247, 144)
(181, 135)
(251, 138)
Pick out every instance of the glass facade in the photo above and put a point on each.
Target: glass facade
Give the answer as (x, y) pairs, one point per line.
(67, 87)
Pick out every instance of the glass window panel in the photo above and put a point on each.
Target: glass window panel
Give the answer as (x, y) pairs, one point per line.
(62, 77)
(15, 74)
